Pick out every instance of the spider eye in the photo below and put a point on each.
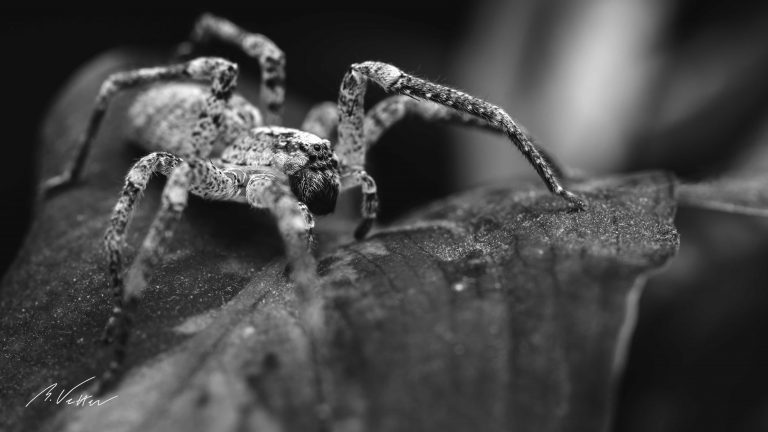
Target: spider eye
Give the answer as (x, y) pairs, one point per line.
(317, 147)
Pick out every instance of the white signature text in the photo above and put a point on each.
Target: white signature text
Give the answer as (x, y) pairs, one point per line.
(82, 400)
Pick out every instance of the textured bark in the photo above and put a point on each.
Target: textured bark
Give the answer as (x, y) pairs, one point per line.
(496, 309)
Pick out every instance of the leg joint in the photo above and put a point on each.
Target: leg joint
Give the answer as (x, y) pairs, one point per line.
(383, 74)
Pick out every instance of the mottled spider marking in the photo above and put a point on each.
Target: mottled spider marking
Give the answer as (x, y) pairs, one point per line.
(135, 182)
(185, 177)
(393, 80)
(370, 203)
(350, 130)
(163, 116)
(271, 192)
(393, 109)
(323, 118)
(270, 57)
(223, 76)
(114, 240)
(283, 148)
(205, 180)
(193, 175)
(220, 73)
(173, 202)
(308, 160)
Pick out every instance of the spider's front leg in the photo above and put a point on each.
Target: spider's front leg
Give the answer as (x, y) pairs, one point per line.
(135, 183)
(352, 143)
(356, 176)
(271, 58)
(196, 175)
(323, 121)
(294, 221)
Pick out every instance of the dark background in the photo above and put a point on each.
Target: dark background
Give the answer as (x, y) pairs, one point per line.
(699, 359)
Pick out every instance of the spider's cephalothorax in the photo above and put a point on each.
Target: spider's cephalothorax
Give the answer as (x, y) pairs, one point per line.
(213, 143)
(308, 161)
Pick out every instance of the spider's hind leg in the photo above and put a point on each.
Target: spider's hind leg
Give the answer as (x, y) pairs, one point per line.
(221, 73)
(271, 59)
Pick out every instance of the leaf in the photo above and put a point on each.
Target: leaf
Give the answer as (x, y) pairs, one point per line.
(492, 310)
(742, 194)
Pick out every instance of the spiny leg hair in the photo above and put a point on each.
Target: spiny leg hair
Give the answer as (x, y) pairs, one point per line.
(222, 75)
(351, 145)
(271, 59)
(193, 175)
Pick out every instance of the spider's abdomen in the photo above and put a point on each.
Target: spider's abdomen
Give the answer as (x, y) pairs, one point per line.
(164, 115)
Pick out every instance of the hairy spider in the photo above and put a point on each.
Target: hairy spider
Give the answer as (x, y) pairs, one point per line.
(213, 143)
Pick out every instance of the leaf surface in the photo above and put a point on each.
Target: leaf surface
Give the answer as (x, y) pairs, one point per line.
(496, 309)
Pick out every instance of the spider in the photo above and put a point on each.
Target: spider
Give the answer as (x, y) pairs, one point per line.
(213, 143)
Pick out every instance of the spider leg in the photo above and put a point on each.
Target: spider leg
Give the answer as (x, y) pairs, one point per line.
(370, 204)
(351, 145)
(271, 59)
(294, 221)
(272, 191)
(393, 109)
(322, 120)
(193, 175)
(221, 73)
(114, 239)
(309, 219)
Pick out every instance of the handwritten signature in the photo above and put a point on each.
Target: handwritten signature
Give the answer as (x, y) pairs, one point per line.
(83, 400)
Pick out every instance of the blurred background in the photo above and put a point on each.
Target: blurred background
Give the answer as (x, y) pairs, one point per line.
(607, 86)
